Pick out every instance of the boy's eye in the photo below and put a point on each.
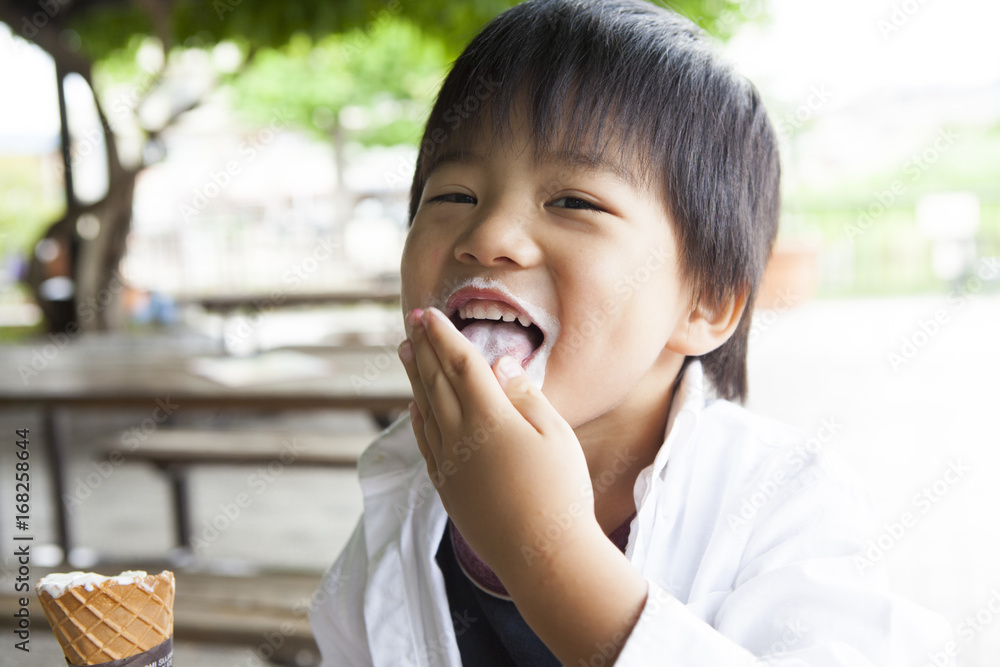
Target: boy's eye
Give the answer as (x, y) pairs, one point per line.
(575, 203)
(455, 198)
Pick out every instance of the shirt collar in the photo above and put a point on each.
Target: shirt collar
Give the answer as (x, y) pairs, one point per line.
(685, 408)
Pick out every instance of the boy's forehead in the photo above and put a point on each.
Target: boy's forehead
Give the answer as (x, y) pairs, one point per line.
(558, 160)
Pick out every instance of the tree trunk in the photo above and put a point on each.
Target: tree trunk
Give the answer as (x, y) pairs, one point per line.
(91, 264)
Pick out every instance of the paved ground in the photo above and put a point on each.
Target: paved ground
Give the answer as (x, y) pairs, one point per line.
(901, 428)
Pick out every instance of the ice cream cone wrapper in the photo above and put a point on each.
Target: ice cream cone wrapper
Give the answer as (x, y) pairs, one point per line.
(121, 621)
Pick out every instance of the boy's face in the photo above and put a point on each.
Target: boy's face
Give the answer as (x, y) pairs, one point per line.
(585, 257)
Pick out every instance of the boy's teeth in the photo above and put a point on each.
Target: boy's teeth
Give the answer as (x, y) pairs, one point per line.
(491, 312)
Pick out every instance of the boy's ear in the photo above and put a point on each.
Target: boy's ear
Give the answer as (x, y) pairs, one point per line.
(708, 326)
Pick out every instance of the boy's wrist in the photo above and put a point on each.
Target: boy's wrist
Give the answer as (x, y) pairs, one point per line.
(579, 591)
(550, 545)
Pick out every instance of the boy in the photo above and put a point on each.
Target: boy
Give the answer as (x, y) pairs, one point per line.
(597, 225)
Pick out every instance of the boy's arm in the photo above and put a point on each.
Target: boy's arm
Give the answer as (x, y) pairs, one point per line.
(798, 598)
(508, 468)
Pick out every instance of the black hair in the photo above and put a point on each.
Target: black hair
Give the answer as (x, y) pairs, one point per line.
(640, 86)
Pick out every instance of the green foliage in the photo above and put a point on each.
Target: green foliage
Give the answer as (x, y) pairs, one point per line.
(27, 203)
(120, 65)
(316, 58)
(388, 78)
(107, 27)
(971, 163)
(719, 18)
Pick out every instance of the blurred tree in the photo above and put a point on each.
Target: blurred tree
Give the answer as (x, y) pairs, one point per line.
(373, 87)
(325, 34)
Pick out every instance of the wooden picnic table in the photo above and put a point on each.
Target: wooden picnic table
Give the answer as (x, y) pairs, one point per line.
(114, 372)
(227, 303)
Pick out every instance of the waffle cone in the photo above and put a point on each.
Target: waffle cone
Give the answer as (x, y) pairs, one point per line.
(112, 621)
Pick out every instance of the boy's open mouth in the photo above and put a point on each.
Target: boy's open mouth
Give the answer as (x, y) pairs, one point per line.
(497, 329)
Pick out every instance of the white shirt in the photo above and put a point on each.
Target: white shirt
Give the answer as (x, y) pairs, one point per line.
(749, 535)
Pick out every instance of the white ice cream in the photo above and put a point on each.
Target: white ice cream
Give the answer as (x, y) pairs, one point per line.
(58, 583)
(543, 319)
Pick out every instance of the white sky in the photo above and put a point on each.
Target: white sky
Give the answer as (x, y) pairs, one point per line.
(27, 87)
(940, 43)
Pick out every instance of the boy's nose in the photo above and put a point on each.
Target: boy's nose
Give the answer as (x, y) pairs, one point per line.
(498, 238)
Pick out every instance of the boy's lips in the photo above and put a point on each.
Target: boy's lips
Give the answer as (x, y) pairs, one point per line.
(485, 300)
(500, 322)
(495, 323)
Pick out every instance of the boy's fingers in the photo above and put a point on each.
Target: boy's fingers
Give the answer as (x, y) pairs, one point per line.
(420, 430)
(461, 363)
(417, 423)
(440, 395)
(406, 355)
(526, 397)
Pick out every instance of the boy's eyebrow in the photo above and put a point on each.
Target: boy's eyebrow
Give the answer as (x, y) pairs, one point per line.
(573, 159)
(453, 157)
(590, 162)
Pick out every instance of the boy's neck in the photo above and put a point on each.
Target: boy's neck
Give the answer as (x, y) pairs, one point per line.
(624, 440)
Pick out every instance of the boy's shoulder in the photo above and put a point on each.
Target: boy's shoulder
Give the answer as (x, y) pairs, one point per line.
(726, 427)
(751, 446)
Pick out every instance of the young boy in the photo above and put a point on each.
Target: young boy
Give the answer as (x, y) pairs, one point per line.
(594, 201)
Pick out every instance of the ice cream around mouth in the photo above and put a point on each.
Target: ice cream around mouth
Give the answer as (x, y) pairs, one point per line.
(498, 330)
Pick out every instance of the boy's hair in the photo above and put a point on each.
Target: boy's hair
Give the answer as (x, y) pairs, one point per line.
(639, 86)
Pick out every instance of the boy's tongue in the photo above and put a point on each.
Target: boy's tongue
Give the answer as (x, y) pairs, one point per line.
(495, 339)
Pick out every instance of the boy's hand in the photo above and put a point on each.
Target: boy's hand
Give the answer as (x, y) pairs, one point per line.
(509, 469)
(514, 479)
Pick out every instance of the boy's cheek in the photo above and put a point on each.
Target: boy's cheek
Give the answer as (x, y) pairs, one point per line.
(419, 256)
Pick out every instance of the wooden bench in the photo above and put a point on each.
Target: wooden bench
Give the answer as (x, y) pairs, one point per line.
(175, 451)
